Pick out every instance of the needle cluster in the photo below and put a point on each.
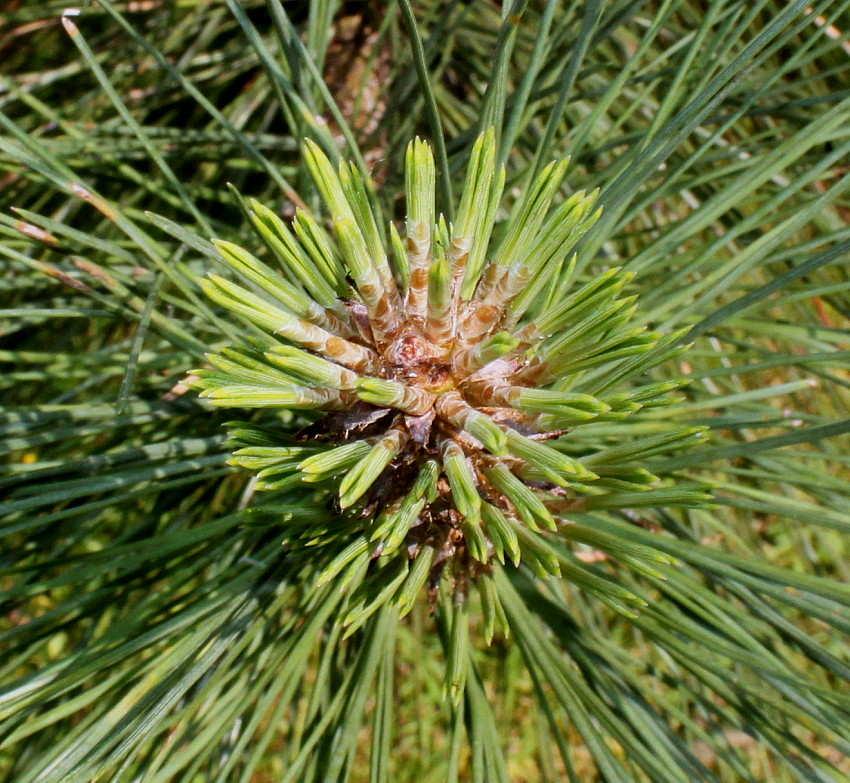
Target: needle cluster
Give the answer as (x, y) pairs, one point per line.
(449, 373)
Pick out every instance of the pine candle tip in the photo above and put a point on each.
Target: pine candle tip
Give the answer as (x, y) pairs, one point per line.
(444, 381)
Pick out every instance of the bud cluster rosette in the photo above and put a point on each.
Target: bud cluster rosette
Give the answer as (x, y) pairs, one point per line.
(445, 380)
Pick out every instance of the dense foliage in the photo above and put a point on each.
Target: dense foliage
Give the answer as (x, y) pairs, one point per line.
(174, 611)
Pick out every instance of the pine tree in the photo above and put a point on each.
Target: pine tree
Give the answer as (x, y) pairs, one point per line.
(449, 392)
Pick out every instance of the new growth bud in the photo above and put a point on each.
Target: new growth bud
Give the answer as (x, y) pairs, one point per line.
(443, 391)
